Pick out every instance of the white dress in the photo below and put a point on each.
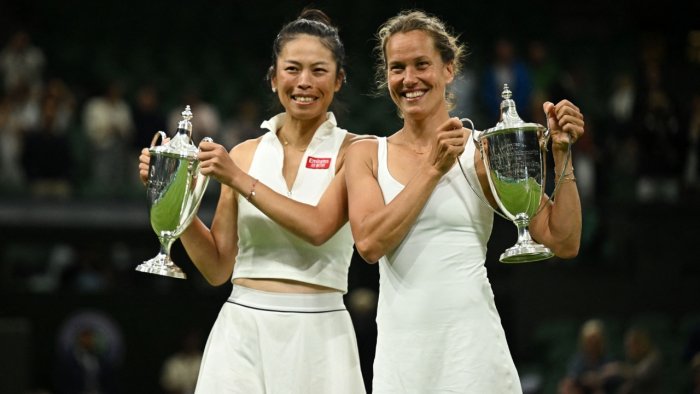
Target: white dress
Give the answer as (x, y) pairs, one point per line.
(438, 327)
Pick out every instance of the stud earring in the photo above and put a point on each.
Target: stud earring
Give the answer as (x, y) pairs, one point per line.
(274, 89)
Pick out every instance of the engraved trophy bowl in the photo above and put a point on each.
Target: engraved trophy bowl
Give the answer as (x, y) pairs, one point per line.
(514, 155)
(174, 192)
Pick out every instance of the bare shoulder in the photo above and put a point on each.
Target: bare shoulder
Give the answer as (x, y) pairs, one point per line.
(362, 143)
(351, 138)
(242, 154)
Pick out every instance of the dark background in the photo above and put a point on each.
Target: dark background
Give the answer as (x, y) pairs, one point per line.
(638, 261)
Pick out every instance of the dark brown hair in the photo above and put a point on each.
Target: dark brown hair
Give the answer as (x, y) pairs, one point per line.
(315, 23)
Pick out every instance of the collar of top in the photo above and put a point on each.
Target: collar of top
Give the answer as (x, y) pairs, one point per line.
(275, 123)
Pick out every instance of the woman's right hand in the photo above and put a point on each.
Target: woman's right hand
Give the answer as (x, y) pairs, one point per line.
(144, 162)
(450, 140)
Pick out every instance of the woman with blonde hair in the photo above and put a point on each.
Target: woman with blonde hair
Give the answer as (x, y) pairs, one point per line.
(412, 210)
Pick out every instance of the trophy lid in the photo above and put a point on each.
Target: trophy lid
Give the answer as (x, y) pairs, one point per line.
(181, 144)
(185, 123)
(509, 115)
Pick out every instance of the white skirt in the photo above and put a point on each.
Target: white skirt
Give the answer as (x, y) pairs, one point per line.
(279, 343)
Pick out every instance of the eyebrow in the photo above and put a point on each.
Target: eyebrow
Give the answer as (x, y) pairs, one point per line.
(416, 59)
(298, 63)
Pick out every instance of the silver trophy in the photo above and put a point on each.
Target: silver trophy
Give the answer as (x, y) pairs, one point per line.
(514, 154)
(175, 189)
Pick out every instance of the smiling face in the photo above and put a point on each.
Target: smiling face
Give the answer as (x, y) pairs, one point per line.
(417, 76)
(306, 78)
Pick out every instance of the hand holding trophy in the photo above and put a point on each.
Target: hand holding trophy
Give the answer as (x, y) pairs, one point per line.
(514, 155)
(174, 190)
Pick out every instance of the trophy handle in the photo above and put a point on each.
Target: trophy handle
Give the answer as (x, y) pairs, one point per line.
(545, 140)
(476, 134)
(160, 134)
(199, 186)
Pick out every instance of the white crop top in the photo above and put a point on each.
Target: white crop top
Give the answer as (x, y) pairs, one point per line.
(265, 249)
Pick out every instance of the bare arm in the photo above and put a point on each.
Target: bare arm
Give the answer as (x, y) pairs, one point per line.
(315, 224)
(214, 251)
(378, 228)
(558, 225)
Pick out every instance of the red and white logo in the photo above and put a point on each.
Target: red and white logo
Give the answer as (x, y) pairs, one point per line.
(318, 163)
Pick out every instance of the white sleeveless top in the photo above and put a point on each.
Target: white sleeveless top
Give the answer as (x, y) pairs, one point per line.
(265, 249)
(438, 327)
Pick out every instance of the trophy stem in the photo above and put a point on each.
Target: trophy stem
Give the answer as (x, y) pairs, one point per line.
(523, 232)
(525, 249)
(162, 264)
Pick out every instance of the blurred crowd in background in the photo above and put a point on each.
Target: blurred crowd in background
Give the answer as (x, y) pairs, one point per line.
(641, 141)
(65, 140)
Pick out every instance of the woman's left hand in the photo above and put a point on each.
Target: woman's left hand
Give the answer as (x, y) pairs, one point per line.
(216, 162)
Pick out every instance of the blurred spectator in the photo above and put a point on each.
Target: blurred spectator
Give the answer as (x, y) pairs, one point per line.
(546, 82)
(641, 372)
(586, 161)
(584, 375)
(621, 103)
(60, 258)
(22, 63)
(657, 128)
(108, 124)
(205, 116)
(505, 68)
(90, 348)
(148, 117)
(84, 368)
(47, 156)
(19, 112)
(464, 90)
(64, 119)
(619, 144)
(180, 371)
(92, 271)
(243, 125)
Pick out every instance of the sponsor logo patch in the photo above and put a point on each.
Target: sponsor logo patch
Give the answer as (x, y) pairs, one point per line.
(318, 163)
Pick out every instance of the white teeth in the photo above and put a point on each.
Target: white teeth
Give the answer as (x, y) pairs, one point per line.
(303, 99)
(414, 94)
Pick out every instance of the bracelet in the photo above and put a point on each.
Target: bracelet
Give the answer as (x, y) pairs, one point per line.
(252, 190)
(568, 177)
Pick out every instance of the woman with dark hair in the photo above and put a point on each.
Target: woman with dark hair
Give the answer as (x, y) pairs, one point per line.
(280, 233)
(412, 210)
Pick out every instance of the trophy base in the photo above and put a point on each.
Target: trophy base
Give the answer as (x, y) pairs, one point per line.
(525, 253)
(161, 265)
